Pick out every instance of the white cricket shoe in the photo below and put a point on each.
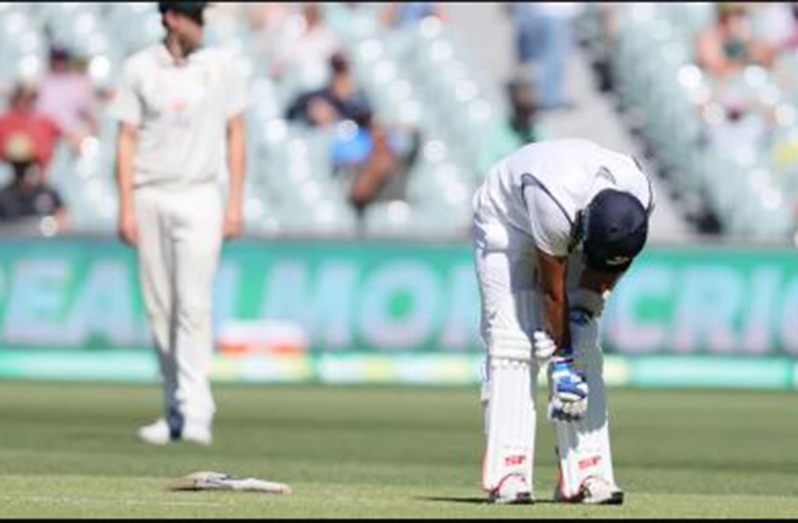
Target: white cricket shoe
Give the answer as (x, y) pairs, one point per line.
(512, 490)
(598, 491)
(595, 490)
(199, 434)
(158, 433)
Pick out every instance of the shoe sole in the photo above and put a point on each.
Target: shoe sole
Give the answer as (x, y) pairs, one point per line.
(153, 441)
(616, 498)
(162, 443)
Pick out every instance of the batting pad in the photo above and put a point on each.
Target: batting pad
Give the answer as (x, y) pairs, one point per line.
(583, 447)
(221, 481)
(510, 421)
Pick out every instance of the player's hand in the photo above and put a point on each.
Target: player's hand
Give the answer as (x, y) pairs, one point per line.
(233, 223)
(568, 389)
(544, 346)
(128, 228)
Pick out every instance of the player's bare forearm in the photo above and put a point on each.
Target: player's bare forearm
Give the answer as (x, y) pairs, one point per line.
(125, 157)
(236, 158)
(552, 272)
(236, 166)
(125, 154)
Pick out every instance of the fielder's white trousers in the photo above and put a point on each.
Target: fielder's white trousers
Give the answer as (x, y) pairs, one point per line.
(179, 243)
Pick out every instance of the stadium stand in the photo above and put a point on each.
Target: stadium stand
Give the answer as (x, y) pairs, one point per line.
(719, 139)
(418, 79)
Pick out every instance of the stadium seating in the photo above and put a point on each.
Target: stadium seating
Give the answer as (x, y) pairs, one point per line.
(417, 76)
(668, 98)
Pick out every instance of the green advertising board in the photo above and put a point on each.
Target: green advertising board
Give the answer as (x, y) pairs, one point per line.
(362, 297)
(377, 302)
(707, 301)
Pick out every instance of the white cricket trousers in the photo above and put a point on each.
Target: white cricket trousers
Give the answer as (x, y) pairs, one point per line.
(179, 244)
(506, 266)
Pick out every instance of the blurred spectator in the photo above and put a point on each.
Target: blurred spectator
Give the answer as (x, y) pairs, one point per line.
(520, 127)
(303, 44)
(341, 99)
(729, 44)
(524, 110)
(374, 159)
(22, 119)
(68, 97)
(398, 15)
(604, 48)
(27, 198)
(544, 40)
(370, 166)
(736, 119)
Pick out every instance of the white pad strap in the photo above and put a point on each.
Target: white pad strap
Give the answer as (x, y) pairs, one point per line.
(509, 344)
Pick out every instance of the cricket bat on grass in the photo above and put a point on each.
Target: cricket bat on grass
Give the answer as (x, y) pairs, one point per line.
(221, 481)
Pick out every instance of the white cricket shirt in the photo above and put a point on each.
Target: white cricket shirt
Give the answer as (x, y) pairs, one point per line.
(181, 113)
(540, 188)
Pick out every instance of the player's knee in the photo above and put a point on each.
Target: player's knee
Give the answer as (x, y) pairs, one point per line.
(194, 315)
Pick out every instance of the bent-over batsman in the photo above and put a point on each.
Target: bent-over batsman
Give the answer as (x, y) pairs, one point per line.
(556, 223)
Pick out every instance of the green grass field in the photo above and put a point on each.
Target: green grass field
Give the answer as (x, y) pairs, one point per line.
(69, 450)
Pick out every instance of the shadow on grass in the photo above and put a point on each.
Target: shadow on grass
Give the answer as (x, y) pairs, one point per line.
(474, 501)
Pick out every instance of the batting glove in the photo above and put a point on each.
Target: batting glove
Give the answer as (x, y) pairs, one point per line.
(568, 389)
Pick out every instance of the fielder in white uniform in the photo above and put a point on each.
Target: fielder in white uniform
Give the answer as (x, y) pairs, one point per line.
(556, 224)
(180, 105)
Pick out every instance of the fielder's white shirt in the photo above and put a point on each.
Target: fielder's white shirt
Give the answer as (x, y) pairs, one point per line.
(181, 113)
(540, 189)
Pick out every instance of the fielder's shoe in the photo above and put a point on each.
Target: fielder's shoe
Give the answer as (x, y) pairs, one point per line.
(200, 434)
(512, 490)
(595, 491)
(158, 433)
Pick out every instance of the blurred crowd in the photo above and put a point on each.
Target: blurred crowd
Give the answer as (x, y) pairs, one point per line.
(62, 105)
(299, 50)
(739, 72)
(744, 35)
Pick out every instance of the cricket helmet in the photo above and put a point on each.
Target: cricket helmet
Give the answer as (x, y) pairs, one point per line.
(615, 230)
